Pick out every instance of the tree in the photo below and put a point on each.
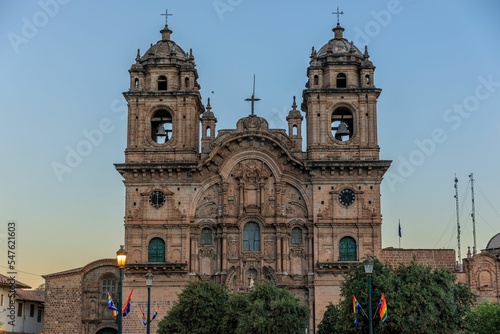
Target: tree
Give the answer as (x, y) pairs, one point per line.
(334, 320)
(272, 310)
(41, 287)
(200, 309)
(419, 300)
(484, 319)
(206, 307)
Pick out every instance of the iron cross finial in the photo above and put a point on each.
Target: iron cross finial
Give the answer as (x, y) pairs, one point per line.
(166, 16)
(338, 15)
(253, 99)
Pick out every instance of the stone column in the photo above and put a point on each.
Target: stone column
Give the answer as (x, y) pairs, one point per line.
(278, 250)
(224, 249)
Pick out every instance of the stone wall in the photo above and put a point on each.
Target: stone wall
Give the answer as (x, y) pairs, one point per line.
(436, 258)
(63, 302)
(74, 302)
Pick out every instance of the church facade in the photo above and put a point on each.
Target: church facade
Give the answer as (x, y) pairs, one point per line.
(248, 204)
(241, 205)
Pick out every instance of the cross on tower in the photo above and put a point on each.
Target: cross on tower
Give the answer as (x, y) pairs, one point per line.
(338, 15)
(253, 99)
(166, 16)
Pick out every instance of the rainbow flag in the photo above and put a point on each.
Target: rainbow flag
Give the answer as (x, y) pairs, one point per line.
(356, 306)
(382, 308)
(112, 306)
(143, 317)
(128, 304)
(155, 313)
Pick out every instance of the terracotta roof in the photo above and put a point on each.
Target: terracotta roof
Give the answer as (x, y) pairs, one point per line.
(5, 282)
(31, 295)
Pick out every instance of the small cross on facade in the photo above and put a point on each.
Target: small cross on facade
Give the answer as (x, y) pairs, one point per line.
(166, 16)
(338, 15)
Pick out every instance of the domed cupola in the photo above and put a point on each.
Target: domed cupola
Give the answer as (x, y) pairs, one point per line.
(165, 51)
(494, 243)
(340, 64)
(168, 58)
(339, 49)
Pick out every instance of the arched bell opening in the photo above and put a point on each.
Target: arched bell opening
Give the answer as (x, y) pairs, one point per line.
(342, 124)
(161, 126)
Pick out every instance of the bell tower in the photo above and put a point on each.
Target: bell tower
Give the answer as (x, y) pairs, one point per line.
(340, 102)
(164, 104)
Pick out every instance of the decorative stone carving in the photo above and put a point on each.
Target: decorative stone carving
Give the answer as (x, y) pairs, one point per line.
(270, 247)
(232, 246)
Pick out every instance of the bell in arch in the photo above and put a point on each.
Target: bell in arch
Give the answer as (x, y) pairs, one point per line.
(160, 132)
(342, 130)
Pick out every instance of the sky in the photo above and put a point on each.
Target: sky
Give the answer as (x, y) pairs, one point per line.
(64, 66)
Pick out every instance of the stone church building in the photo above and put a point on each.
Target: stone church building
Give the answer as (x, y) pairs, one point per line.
(240, 205)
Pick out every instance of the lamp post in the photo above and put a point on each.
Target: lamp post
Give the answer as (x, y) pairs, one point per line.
(121, 260)
(368, 263)
(149, 282)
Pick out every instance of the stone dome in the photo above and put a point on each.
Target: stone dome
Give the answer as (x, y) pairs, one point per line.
(165, 50)
(339, 46)
(494, 242)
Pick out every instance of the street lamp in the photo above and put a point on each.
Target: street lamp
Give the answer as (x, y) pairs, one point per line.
(149, 282)
(121, 260)
(368, 263)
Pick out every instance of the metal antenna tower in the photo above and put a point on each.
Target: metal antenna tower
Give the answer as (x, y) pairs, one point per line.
(458, 220)
(473, 214)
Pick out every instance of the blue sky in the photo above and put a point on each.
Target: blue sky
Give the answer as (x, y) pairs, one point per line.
(64, 65)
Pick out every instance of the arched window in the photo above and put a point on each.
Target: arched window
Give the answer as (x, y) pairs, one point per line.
(107, 331)
(162, 82)
(341, 80)
(342, 124)
(206, 236)
(207, 134)
(136, 83)
(367, 78)
(108, 285)
(316, 80)
(186, 82)
(156, 250)
(251, 237)
(347, 249)
(161, 126)
(296, 236)
(294, 130)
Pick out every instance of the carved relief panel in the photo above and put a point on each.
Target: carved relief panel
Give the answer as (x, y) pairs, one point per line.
(208, 205)
(249, 189)
(270, 247)
(233, 246)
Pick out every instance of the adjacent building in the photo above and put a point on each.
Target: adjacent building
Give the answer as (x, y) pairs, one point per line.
(21, 310)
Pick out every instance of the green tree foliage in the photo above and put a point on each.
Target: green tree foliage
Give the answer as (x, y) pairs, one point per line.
(206, 307)
(199, 310)
(484, 319)
(419, 300)
(334, 320)
(272, 310)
